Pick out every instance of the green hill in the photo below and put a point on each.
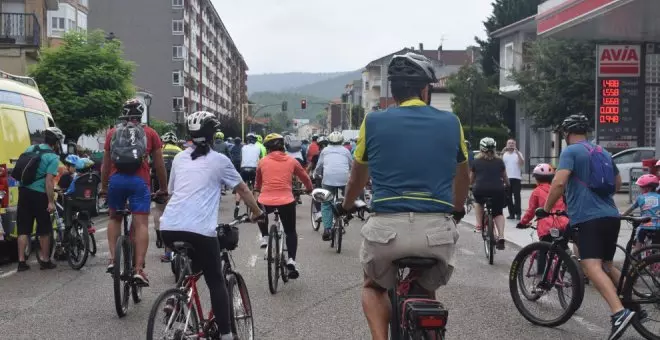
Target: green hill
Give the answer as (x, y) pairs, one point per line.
(329, 88)
(314, 104)
(277, 82)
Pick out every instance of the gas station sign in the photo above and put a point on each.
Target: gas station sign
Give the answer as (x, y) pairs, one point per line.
(620, 100)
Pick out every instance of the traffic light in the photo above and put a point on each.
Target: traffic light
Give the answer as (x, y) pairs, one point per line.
(303, 104)
(284, 106)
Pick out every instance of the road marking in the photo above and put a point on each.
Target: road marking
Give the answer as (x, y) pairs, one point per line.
(466, 251)
(252, 261)
(101, 230)
(14, 271)
(589, 325)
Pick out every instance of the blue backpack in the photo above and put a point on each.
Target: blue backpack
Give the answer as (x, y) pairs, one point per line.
(601, 171)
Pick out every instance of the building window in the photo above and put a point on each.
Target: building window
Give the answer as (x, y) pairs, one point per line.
(58, 23)
(177, 3)
(177, 27)
(177, 52)
(508, 59)
(72, 25)
(177, 103)
(177, 78)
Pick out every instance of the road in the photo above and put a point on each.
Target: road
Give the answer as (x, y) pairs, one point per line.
(324, 303)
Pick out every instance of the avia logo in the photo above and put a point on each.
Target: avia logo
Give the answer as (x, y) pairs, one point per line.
(619, 60)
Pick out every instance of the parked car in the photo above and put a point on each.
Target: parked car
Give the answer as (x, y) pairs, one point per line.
(631, 158)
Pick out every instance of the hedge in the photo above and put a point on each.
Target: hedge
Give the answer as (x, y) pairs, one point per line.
(500, 134)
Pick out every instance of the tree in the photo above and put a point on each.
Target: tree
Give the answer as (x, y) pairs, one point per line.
(230, 126)
(162, 126)
(473, 94)
(85, 81)
(505, 13)
(560, 81)
(357, 115)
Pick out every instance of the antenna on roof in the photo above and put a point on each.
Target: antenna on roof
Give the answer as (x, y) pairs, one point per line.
(442, 42)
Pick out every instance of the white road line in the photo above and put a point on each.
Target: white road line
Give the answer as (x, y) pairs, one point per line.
(253, 260)
(589, 325)
(8, 274)
(466, 251)
(101, 230)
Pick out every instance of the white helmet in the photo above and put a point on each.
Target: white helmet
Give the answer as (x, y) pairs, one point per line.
(335, 138)
(487, 144)
(169, 137)
(411, 67)
(54, 133)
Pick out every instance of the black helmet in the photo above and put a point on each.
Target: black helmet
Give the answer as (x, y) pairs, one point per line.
(411, 68)
(578, 123)
(133, 108)
(251, 138)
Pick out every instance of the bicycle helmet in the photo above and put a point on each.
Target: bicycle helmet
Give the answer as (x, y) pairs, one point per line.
(411, 67)
(133, 108)
(53, 135)
(647, 180)
(315, 137)
(237, 140)
(575, 124)
(169, 137)
(260, 139)
(335, 138)
(84, 163)
(657, 163)
(322, 141)
(202, 125)
(251, 138)
(219, 135)
(71, 160)
(543, 170)
(274, 141)
(487, 144)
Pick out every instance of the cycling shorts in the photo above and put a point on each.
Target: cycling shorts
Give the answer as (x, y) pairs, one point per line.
(597, 238)
(497, 200)
(248, 174)
(131, 188)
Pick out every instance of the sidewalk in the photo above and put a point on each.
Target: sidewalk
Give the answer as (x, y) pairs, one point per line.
(521, 237)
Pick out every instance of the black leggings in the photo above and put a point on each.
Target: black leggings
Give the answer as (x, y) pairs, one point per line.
(542, 255)
(209, 263)
(288, 218)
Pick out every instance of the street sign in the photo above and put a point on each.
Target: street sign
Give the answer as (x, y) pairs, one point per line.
(634, 189)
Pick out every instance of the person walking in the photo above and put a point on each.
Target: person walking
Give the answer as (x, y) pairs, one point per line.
(513, 161)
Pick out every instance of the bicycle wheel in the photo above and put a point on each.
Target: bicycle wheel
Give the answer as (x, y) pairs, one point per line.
(642, 277)
(284, 257)
(92, 245)
(241, 323)
(525, 272)
(339, 233)
(563, 280)
(136, 290)
(174, 317)
(273, 259)
(77, 245)
(313, 212)
(572, 271)
(653, 270)
(121, 270)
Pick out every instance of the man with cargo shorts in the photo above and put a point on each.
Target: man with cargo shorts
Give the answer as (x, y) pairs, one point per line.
(416, 195)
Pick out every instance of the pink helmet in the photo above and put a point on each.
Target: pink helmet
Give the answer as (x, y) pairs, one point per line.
(657, 163)
(544, 169)
(647, 180)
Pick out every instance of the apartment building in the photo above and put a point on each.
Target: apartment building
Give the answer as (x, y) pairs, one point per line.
(184, 54)
(23, 32)
(70, 16)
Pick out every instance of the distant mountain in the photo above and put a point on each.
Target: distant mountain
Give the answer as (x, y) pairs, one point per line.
(315, 105)
(276, 82)
(329, 88)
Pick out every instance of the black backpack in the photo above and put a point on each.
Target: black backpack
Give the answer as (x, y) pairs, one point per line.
(25, 170)
(128, 147)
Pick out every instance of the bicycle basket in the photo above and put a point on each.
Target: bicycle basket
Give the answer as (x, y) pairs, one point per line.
(228, 238)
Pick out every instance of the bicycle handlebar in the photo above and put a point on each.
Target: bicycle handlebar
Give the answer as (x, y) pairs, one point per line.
(241, 219)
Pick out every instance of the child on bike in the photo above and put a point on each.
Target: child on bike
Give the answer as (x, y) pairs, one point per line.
(648, 204)
(544, 173)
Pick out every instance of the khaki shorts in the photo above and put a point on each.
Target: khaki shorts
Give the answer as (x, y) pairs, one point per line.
(388, 237)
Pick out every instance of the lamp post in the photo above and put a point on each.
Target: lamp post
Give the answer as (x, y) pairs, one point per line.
(147, 100)
(177, 113)
(110, 36)
(472, 86)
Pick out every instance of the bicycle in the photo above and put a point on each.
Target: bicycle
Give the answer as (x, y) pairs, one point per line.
(250, 184)
(71, 237)
(276, 254)
(488, 231)
(414, 314)
(123, 271)
(469, 202)
(183, 305)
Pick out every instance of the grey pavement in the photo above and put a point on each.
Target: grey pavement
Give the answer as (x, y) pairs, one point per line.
(324, 303)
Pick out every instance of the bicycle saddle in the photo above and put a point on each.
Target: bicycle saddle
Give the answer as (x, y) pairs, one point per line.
(123, 212)
(180, 246)
(414, 262)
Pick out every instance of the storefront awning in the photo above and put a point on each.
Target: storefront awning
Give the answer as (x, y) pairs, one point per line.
(605, 20)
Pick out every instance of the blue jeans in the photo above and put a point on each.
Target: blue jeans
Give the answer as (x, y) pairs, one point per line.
(326, 207)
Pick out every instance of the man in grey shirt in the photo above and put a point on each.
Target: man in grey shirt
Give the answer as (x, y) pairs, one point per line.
(334, 166)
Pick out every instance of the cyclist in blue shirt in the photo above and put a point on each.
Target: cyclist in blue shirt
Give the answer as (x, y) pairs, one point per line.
(649, 205)
(414, 194)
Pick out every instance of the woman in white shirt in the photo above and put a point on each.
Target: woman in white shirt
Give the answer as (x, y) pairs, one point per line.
(197, 176)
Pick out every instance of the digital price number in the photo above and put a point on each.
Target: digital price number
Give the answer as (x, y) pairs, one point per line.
(610, 101)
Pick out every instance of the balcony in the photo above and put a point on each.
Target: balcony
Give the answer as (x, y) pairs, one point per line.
(19, 29)
(376, 82)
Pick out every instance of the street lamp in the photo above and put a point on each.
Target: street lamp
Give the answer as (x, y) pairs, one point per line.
(177, 113)
(110, 36)
(147, 100)
(472, 86)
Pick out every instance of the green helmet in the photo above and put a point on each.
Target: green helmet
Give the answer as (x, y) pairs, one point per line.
(219, 135)
(260, 139)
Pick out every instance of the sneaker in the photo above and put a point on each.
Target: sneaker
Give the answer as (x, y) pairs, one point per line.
(318, 218)
(327, 235)
(22, 266)
(47, 265)
(511, 217)
(111, 267)
(141, 278)
(167, 257)
(477, 229)
(620, 321)
(291, 266)
(500, 244)
(264, 242)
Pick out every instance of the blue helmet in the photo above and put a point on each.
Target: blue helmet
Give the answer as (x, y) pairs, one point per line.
(71, 160)
(84, 163)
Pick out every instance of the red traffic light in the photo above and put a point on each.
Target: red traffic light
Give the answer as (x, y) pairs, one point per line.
(303, 104)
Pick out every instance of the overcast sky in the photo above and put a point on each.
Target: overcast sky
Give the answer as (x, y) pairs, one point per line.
(344, 35)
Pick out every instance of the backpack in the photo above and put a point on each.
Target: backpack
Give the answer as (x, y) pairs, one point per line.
(128, 147)
(601, 171)
(292, 144)
(25, 170)
(236, 153)
(168, 158)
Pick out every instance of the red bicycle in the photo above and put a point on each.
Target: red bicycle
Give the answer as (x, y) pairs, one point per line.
(183, 316)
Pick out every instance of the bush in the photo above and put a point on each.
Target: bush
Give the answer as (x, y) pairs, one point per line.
(500, 134)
